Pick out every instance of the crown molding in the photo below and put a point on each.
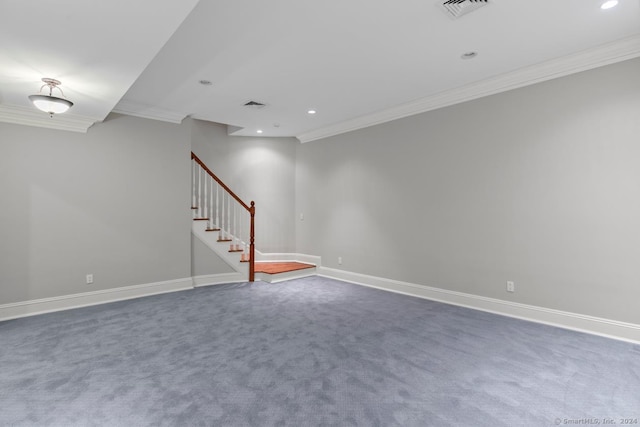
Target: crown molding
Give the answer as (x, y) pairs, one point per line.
(130, 108)
(610, 53)
(27, 116)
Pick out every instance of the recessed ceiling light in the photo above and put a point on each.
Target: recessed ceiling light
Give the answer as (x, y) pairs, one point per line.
(469, 55)
(205, 82)
(609, 4)
(311, 112)
(259, 131)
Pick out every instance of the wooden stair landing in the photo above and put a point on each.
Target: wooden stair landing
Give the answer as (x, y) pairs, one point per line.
(280, 267)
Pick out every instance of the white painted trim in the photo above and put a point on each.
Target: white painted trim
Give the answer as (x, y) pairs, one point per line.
(288, 275)
(218, 279)
(148, 112)
(578, 322)
(20, 115)
(288, 257)
(610, 53)
(85, 299)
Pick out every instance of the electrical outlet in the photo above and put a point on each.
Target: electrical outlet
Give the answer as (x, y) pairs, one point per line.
(339, 260)
(301, 217)
(511, 286)
(89, 279)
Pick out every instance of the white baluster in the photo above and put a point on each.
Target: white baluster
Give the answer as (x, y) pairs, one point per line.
(194, 184)
(221, 233)
(199, 193)
(246, 242)
(229, 216)
(205, 201)
(210, 204)
(238, 240)
(193, 187)
(245, 253)
(234, 230)
(240, 245)
(226, 217)
(217, 206)
(232, 208)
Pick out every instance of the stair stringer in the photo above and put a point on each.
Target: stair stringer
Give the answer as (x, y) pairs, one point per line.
(209, 238)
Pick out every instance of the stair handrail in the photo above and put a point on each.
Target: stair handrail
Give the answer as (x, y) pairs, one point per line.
(250, 208)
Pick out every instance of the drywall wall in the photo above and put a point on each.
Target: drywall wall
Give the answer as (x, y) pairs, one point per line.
(258, 169)
(112, 202)
(540, 185)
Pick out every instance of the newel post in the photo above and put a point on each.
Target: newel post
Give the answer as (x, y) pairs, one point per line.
(252, 249)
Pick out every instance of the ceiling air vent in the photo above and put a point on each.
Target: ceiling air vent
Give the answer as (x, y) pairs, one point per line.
(255, 105)
(456, 8)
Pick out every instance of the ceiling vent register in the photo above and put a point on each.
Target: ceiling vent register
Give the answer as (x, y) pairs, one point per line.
(255, 105)
(456, 8)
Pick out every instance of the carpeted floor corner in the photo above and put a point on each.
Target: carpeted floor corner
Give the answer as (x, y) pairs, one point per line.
(307, 352)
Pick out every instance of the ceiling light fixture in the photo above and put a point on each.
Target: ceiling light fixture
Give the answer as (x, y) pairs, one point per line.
(311, 112)
(469, 55)
(259, 131)
(609, 4)
(49, 103)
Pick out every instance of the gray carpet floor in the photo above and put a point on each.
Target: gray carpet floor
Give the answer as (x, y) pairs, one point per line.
(308, 352)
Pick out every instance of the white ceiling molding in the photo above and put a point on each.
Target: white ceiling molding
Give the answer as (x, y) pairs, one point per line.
(147, 112)
(30, 116)
(606, 54)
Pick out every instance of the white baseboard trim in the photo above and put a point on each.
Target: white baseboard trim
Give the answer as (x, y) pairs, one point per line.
(287, 257)
(578, 322)
(218, 279)
(85, 299)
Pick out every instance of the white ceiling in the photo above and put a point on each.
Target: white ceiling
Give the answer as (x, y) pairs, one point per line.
(356, 62)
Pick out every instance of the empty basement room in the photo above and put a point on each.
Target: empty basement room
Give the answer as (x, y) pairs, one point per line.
(454, 192)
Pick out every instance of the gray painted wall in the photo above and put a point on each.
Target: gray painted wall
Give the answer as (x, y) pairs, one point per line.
(112, 202)
(259, 169)
(539, 185)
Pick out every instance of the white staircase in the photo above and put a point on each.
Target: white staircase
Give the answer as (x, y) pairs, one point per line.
(221, 220)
